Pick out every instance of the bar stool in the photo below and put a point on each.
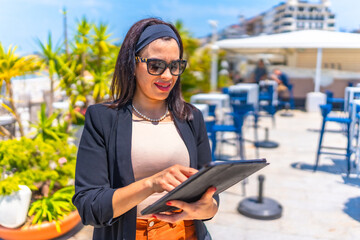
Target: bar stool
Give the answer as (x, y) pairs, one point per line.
(331, 100)
(212, 108)
(239, 113)
(357, 146)
(266, 101)
(291, 101)
(325, 110)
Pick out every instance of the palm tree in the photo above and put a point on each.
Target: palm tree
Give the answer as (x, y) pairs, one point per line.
(45, 129)
(82, 42)
(50, 58)
(101, 44)
(189, 84)
(12, 66)
(190, 43)
(100, 67)
(102, 77)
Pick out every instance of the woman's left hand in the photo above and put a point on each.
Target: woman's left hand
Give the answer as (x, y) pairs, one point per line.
(204, 208)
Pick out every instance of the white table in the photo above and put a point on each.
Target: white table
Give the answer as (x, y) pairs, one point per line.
(61, 105)
(252, 90)
(351, 93)
(221, 100)
(356, 148)
(274, 84)
(204, 108)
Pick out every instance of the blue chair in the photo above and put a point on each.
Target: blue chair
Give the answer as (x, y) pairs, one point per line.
(283, 102)
(225, 90)
(212, 108)
(325, 110)
(239, 113)
(331, 100)
(209, 123)
(266, 101)
(238, 97)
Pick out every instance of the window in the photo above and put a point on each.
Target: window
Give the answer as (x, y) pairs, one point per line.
(331, 24)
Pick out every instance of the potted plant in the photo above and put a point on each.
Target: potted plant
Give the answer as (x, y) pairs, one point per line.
(19, 200)
(46, 165)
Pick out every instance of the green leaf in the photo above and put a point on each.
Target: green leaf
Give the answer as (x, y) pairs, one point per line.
(37, 217)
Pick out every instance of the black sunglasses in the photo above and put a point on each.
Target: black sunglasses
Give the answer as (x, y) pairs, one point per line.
(157, 67)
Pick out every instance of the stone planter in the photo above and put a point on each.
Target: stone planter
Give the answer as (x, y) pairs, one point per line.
(46, 230)
(14, 207)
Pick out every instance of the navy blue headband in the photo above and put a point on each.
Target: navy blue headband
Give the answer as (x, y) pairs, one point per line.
(154, 32)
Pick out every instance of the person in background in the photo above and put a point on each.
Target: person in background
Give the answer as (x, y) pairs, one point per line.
(260, 72)
(283, 83)
(143, 144)
(237, 78)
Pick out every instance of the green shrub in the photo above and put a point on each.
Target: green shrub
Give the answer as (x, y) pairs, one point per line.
(29, 162)
(54, 207)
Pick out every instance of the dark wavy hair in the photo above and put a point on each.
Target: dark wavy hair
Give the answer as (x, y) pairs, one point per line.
(123, 84)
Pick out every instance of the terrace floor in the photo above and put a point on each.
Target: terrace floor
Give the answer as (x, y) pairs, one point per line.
(321, 205)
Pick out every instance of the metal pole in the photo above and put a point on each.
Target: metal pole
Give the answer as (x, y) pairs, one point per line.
(214, 56)
(318, 70)
(214, 67)
(261, 189)
(65, 32)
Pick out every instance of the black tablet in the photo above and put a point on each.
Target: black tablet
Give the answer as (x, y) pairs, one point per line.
(221, 175)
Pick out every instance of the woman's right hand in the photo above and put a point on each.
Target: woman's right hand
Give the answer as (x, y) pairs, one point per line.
(169, 178)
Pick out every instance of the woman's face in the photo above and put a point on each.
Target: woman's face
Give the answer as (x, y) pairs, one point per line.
(156, 88)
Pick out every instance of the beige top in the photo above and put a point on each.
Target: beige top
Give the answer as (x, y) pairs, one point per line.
(155, 147)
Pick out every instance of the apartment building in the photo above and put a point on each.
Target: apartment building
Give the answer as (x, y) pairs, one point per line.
(296, 15)
(291, 15)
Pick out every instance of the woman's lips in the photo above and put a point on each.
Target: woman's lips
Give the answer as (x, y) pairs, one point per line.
(163, 86)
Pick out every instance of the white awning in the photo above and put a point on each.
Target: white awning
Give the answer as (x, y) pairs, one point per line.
(297, 39)
(278, 43)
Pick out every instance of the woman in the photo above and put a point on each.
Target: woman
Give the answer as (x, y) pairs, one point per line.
(143, 144)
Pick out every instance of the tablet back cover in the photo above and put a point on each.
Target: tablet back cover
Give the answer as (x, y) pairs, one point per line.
(221, 175)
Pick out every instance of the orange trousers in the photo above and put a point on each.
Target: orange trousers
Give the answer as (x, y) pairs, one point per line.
(154, 229)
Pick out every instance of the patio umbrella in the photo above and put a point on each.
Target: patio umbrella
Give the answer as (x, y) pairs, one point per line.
(280, 43)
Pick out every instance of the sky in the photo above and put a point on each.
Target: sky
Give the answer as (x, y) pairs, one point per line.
(22, 22)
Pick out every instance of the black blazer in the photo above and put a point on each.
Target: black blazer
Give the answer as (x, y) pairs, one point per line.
(104, 164)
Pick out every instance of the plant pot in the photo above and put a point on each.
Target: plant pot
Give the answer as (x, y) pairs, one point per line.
(14, 207)
(46, 230)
